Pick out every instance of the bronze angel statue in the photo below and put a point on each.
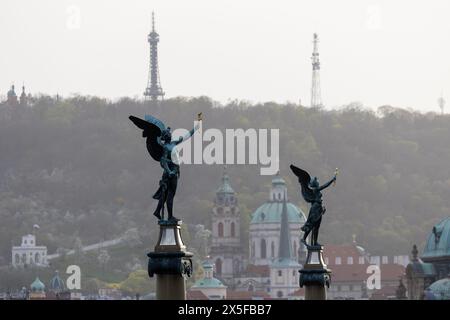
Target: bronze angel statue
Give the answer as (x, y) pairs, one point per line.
(311, 192)
(163, 149)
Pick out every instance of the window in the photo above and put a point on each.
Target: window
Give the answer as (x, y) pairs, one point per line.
(233, 229)
(385, 260)
(349, 260)
(361, 260)
(272, 250)
(279, 294)
(338, 260)
(218, 266)
(263, 249)
(220, 229)
(280, 273)
(17, 258)
(293, 273)
(253, 249)
(37, 258)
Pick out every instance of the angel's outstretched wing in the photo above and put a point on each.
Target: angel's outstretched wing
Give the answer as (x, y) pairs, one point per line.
(304, 178)
(151, 129)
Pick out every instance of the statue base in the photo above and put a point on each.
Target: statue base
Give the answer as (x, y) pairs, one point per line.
(315, 276)
(170, 262)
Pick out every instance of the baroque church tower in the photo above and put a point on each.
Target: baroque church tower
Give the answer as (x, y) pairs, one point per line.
(226, 248)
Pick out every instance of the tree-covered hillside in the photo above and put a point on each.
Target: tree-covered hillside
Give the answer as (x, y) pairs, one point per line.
(79, 169)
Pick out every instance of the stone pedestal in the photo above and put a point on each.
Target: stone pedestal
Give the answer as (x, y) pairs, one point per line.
(315, 276)
(170, 262)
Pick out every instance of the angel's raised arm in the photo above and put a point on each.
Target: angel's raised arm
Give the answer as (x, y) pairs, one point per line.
(326, 185)
(188, 135)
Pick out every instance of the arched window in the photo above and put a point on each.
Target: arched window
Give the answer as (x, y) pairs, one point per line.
(37, 257)
(263, 249)
(250, 287)
(17, 258)
(279, 294)
(218, 266)
(220, 229)
(272, 249)
(24, 258)
(233, 229)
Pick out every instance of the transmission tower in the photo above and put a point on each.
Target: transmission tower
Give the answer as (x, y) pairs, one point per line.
(316, 99)
(441, 103)
(154, 89)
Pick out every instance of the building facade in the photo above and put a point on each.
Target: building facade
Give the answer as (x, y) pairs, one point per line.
(29, 253)
(432, 266)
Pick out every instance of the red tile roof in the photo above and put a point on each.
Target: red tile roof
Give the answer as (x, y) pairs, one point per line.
(298, 293)
(260, 271)
(195, 295)
(331, 251)
(246, 295)
(358, 272)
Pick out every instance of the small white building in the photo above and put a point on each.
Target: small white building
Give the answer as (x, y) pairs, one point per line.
(29, 253)
(211, 287)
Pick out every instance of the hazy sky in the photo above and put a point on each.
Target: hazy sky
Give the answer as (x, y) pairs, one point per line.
(377, 52)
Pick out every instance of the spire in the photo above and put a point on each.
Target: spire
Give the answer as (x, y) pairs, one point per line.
(225, 186)
(153, 21)
(23, 96)
(415, 252)
(284, 251)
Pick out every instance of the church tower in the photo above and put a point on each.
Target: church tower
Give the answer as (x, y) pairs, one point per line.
(284, 269)
(23, 98)
(226, 252)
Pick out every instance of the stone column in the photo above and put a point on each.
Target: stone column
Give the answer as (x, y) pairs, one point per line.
(315, 276)
(170, 262)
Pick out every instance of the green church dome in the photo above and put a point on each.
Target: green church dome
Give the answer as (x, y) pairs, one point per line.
(208, 280)
(440, 289)
(438, 243)
(270, 212)
(37, 286)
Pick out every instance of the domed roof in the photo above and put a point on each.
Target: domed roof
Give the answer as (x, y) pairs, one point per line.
(56, 283)
(270, 212)
(37, 285)
(12, 92)
(438, 243)
(208, 283)
(225, 187)
(439, 290)
(208, 280)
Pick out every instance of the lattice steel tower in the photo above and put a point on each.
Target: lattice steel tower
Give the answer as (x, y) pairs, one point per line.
(316, 99)
(154, 89)
(441, 103)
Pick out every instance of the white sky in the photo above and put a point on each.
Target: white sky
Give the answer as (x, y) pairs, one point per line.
(377, 52)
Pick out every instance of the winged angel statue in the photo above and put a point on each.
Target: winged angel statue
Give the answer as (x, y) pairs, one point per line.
(311, 192)
(163, 148)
